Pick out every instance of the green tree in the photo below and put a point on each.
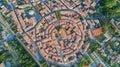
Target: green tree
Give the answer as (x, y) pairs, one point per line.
(58, 15)
(58, 27)
(108, 3)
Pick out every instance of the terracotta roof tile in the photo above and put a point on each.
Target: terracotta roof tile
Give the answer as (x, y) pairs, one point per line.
(97, 32)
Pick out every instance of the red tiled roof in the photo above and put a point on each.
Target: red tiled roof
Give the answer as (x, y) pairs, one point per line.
(97, 32)
(26, 0)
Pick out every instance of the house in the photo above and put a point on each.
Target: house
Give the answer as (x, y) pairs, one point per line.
(108, 37)
(97, 32)
(2, 65)
(100, 65)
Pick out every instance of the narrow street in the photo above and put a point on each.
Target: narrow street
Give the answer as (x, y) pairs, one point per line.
(9, 29)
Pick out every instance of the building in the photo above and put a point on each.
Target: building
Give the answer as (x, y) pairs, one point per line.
(2, 65)
(97, 31)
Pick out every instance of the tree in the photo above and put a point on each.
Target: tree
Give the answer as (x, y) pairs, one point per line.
(93, 47)
(81, 63)
(27, 8)
(44, 64)
(3, 57)
(19, 2)
(115, 65)
(109, 8)
(58, 15)
(108, 3)
(0, 36)
(58, 27)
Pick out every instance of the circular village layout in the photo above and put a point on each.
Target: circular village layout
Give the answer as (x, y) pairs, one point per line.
(56, 30)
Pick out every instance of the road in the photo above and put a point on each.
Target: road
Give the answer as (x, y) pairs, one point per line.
(103, 18)
(9, 29)
(96, 18)
(113, 23)
(14, 10)
(48, 15)
(97, 56)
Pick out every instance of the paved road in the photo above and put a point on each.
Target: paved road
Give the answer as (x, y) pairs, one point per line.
(50, 14)
(14, 10)
(9, 29)
(101, 60)
(98, 58)
(103, 18)
(43, 17)
(114, 24)
(96, 18)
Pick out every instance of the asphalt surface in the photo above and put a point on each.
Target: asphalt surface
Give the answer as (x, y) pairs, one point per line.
(9, 29)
